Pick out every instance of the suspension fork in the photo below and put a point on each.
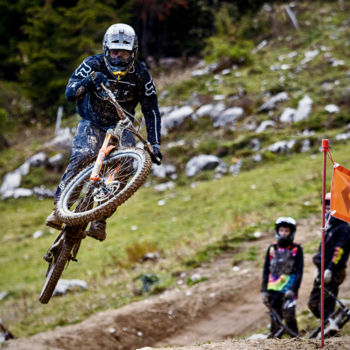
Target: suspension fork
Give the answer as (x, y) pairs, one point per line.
(103, 152)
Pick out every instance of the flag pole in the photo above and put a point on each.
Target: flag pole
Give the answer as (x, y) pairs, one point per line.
(325, 149)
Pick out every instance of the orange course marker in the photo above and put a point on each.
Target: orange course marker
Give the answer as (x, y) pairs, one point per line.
(340, 193)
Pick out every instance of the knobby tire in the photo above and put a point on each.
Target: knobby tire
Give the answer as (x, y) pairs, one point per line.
(55, 271)
(71, 217)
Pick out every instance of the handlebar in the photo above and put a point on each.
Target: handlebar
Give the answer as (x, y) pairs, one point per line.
(129, 124)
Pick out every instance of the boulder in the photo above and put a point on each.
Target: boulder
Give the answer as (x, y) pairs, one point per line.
(163, 170)
(203, 111)
(287, 115)
(63, 140)
(63, 286)
(201, 162)
(271, 103)
(264, 125)
(175, 118)
(304, 109)
(281, 146)
(332, 108)
(228, 117)
(305, 145)
(37, 160)
(56, 161)
(37, 234)
(255, 144)
(343, 136)
(309, 55)
(43, 192)
(17, 193)
(257, 157)
(164, 186)
(235, 168)
(217, 110)
(13, 179)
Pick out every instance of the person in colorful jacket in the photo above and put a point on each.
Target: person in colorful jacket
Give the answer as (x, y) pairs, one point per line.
(282, 274)
(131, 83)
(337, 247)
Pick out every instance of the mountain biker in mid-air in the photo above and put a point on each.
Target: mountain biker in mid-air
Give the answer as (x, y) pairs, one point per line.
(282, 274)
(131, 83)
(337, 249)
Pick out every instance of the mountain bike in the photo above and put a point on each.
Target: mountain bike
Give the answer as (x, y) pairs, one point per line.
(284, 329)
(96, 192)
(335, 321)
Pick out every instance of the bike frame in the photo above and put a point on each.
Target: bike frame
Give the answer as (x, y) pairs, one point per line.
(116, 133)
(278, 319)
(337, 319)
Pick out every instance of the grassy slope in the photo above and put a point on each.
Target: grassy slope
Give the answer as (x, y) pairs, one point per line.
(195, 222)
(178, 229)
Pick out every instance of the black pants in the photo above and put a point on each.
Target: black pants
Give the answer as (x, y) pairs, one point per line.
(314, 302)
(285, 309)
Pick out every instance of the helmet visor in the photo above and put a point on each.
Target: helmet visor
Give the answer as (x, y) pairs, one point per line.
(119, 56)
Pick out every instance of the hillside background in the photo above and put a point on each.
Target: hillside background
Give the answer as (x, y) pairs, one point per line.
(251, 87)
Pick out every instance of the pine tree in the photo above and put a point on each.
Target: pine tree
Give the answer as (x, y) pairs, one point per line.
(58, 38)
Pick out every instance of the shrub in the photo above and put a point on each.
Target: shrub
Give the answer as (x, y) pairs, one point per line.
(228, 44)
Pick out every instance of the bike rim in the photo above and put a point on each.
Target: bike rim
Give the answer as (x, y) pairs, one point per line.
(116, 174)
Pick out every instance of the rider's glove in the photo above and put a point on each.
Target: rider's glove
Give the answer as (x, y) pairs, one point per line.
(156, 154)
(289, 294)
(327, 276)
(265, 297)
(87, 82)
(98, 79)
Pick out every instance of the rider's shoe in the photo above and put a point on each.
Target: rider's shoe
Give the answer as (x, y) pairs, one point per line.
(97, 230)
(53, 221)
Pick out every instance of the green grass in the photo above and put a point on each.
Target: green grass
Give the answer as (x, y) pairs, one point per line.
(206, 219)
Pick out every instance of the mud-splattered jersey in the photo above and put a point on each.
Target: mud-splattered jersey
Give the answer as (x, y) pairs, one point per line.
(135, 87)
(283, 268)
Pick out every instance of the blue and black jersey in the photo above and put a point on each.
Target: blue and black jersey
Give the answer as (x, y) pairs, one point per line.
(135, 87)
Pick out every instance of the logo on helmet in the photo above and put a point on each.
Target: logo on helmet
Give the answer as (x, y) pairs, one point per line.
(120, 48)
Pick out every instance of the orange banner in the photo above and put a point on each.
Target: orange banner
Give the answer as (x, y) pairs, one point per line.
(340, 193)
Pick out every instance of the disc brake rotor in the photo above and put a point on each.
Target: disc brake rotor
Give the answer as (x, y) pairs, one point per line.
(104, 192)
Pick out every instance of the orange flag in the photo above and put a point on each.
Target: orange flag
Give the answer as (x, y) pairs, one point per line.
(340, 193)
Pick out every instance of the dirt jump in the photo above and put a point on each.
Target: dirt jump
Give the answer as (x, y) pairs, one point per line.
(205, 316)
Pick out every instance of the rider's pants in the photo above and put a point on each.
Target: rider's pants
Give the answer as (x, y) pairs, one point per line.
(285, 309)
(314, 302)
(86, 144)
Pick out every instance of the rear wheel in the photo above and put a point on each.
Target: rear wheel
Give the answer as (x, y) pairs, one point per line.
(121, 175)
(55, 270)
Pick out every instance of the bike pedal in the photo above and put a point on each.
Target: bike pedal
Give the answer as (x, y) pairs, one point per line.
(94, 237)
(73, 259)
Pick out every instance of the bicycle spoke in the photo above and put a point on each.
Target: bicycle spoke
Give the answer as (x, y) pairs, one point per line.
(121, 174)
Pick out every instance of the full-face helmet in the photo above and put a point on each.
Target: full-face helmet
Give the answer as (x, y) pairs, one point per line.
(119, 37)
(285, 222)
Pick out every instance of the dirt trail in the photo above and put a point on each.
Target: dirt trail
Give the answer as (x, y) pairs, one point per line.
(227, 305)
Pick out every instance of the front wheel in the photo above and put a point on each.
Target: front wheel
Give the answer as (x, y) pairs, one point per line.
(122, 173)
